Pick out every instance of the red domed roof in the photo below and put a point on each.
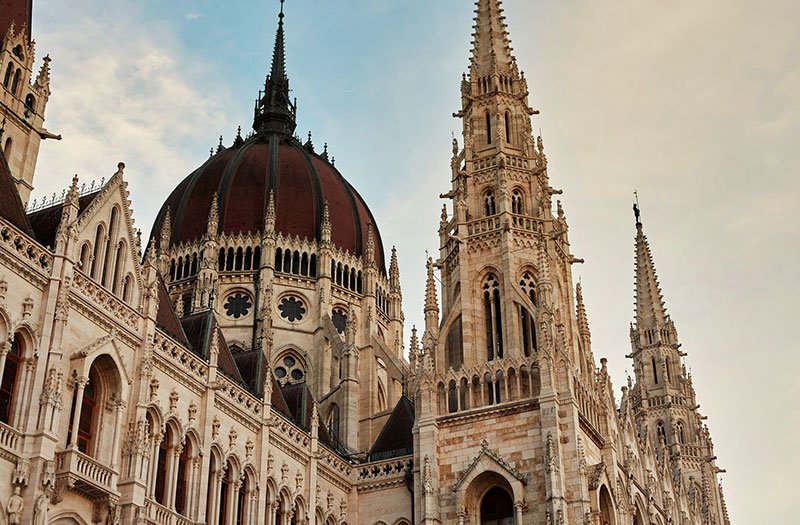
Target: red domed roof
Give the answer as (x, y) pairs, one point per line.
(242, 178)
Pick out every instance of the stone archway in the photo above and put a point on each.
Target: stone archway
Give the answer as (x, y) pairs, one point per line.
(496, 507)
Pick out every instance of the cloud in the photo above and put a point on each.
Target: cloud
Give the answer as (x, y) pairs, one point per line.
(193, 16)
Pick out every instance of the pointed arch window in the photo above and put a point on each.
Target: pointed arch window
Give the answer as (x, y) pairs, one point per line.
(15, 82)
(8, 387)
(680, 433)
(493, 316)
(489, 206)
(488, 128)
(517, 202)
(507, 118)
(7, 76)
(655, 371)
(661, 434)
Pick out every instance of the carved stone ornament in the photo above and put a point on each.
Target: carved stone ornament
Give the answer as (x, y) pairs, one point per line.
(21, 472)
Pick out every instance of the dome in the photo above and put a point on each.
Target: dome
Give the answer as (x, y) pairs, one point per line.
(242, 178)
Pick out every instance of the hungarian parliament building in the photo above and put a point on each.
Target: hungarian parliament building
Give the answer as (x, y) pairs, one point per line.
(247, 362)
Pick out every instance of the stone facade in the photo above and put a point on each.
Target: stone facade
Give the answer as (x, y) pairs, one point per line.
(260, 377)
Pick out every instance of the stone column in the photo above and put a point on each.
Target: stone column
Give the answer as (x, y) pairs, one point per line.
(170, 479)
(5, 347)
(120, 407)
(518, 506)
(80, 385)
(151, 490)
(233, 501)
(24, 392)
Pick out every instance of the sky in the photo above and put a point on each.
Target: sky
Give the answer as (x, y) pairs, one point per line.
(695, 105)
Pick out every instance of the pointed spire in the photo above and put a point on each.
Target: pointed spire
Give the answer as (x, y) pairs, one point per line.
(394, 271)
(275, 112)
(213, 217)
(166, 231)
(583, 322)
(325, 227)
(491, 46)
(431, 302)
(42, 82)
(650, 310)
(269, 216)
(369, 255)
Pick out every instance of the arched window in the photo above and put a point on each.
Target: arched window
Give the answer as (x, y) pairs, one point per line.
(7, 147)
(287, 261)
(304, 264)
(517, 202)
(493, 318)
(30, 102)
(8, 386)
(452, 397)
(279, 260)
(382, 380)
(117, 276)
(332, 423)
(7, 77)
(248, 258)
(17, 52)
(229, 260)
(655, 371)
(312, 269)
(15, 82)
(607, 516)
(127, 289)
(497, 508)
(489, 207)
(661, 433)
(108, 267)
(680, 433)
(257, 258)
(193, 269)
(289, 369)
(239, 259)
(86, 253)
(181, 489)
(221, 260)
(99, 237)
(508, 127)
(296, 263)
(164, 450)
(667, 367)
(179, 274)
(86, 421)
(454, 345)
(488, 128)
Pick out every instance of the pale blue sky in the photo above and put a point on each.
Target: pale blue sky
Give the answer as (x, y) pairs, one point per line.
(695, 104)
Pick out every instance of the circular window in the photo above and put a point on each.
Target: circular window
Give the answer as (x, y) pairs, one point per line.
(292, 309)
(238, 305)
(297, 375)
(289, 361)
(280, 372)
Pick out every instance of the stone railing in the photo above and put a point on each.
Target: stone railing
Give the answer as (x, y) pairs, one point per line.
(160, 515)
(523, 222)
(29, 251)
(239, 397)
(10, 438)
(86, 474)
(105, 300)
(181, 357)
(385, 469)
(483, 225)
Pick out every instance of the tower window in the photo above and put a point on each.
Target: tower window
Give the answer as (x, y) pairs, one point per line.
(493, 316)
(7, 147)
(508, 128)
(488, 128)
(7, 77)
(15, 82)
(517, 202)
(655, 371)
(489, 207)
(30, 102)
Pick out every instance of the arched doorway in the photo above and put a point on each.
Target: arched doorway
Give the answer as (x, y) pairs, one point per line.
(607, 516)
(497, 507)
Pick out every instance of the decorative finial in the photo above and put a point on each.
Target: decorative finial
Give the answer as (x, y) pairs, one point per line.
(636, 211)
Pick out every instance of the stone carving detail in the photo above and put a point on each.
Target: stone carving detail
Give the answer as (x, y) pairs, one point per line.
(21, 472)
(14, 507)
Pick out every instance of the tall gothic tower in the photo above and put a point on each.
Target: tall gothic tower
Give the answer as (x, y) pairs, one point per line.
(23, 97)
(516, 422)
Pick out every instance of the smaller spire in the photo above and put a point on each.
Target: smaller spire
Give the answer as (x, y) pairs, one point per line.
(369, 256)
(650, 310)
(213, 217)
(325, 151)
(269, 216)
(73, 193)
(325, 227)
(309, 145)
(220, 147)
(166, 231)
(431, 302)
(238, 141)
(583, 322)
(394, 271)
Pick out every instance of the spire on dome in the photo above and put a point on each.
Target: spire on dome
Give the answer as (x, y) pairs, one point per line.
(275, 112)
(650, 310)
(491, 46)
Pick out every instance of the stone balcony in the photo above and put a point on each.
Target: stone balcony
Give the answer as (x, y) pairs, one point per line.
(85, 475)
(158, 514)
(10, 442)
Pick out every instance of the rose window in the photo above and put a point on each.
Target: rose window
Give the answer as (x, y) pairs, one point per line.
(238, 305)
(292, 309)
(339, 319)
